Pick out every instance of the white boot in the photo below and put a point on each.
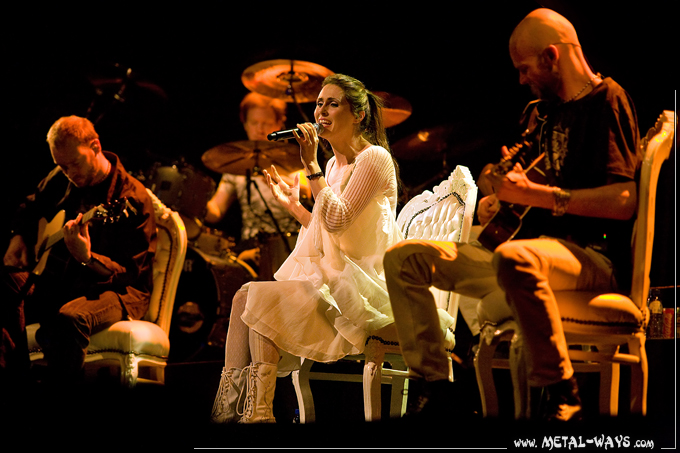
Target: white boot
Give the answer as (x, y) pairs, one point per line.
(260, 386)
(225, 408)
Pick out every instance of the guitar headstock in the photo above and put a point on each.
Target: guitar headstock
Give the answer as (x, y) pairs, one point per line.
(516, 153)
(522, 148)
(113, 211)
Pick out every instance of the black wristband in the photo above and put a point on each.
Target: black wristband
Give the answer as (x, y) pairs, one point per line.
(314, 176)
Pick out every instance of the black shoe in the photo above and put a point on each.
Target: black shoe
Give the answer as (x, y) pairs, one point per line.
(562, 403)
(433, 400)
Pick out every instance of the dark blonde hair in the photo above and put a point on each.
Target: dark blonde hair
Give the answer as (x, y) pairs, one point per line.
(360, 99)
(71, 127)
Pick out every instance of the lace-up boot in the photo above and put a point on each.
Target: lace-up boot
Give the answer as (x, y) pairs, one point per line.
(259, 393)
(231, 385)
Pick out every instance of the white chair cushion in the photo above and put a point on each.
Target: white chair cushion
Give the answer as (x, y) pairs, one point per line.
(140, 337)
(583, 312)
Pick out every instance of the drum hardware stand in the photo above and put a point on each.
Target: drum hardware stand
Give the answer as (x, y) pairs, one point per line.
(290, 91)
(249, 181)
(118, 98)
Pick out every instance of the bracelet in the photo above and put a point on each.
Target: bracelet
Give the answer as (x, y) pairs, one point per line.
(314, 176)
(561, 199)
(86, 263)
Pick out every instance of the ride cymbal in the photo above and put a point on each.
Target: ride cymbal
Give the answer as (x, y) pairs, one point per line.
(252, 155)
(396, 109)
(289, 80)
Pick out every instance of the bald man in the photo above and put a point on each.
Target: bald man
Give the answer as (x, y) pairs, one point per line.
(575, 237)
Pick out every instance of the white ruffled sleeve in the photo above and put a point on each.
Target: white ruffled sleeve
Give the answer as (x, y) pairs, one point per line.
(373, 173)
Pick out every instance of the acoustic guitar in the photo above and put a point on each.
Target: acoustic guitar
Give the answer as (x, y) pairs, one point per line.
(507, 221)
(50, 233)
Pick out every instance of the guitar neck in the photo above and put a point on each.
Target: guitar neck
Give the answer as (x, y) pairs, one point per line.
(59, 235)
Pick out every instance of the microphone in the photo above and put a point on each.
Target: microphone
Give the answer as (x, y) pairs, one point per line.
(288, 134)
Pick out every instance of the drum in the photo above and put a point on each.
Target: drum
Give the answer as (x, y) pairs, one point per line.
(185, 190)
(203, 304)
(213, 242)
(273, 252)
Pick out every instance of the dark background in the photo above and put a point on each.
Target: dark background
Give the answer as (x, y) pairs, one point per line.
(448, 59)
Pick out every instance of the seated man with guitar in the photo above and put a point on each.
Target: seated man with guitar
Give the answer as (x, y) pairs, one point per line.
(89, 272)
(576, 168)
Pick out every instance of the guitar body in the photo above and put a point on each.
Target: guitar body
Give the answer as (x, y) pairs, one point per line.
(507, 221)
(45, 232)
(504, 225)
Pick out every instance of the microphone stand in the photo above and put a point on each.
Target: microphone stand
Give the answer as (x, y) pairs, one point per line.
(249, 180)
(256, 171)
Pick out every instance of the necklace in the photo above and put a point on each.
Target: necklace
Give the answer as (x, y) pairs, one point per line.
(586, 86)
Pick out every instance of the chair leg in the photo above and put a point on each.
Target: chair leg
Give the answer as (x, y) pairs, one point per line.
(304, 392)
(399, 393)
(639, 376)
(129, 371)
(484, 372)
(372, 381)
(609, 389)
(518, 373)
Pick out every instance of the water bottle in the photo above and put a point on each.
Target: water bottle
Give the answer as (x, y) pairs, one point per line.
(656, 318)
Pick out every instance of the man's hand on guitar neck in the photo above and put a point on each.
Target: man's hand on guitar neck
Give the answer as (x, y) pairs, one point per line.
(77, 239)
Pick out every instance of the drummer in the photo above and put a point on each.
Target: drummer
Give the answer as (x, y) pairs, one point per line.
(262, 245)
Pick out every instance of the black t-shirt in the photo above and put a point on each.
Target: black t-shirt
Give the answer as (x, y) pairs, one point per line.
(588, 143)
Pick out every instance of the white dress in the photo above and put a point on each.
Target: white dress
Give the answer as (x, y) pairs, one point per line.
(331, 290)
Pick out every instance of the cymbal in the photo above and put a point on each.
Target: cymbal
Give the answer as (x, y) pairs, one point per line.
(252, 155)
(283, 79)
(116, 83)
(395, 110)
(436, 142)
(110, 76)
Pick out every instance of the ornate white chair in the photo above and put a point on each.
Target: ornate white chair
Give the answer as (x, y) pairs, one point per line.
(141, 347)
(596, 325)
(446, 214)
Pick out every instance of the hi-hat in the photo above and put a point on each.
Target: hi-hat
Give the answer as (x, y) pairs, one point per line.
(395, 110)
(290, 80)
(252, 155)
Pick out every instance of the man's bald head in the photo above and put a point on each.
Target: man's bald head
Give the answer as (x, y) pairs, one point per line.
(541, 28)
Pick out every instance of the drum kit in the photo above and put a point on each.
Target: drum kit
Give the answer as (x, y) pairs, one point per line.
(201, 317)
